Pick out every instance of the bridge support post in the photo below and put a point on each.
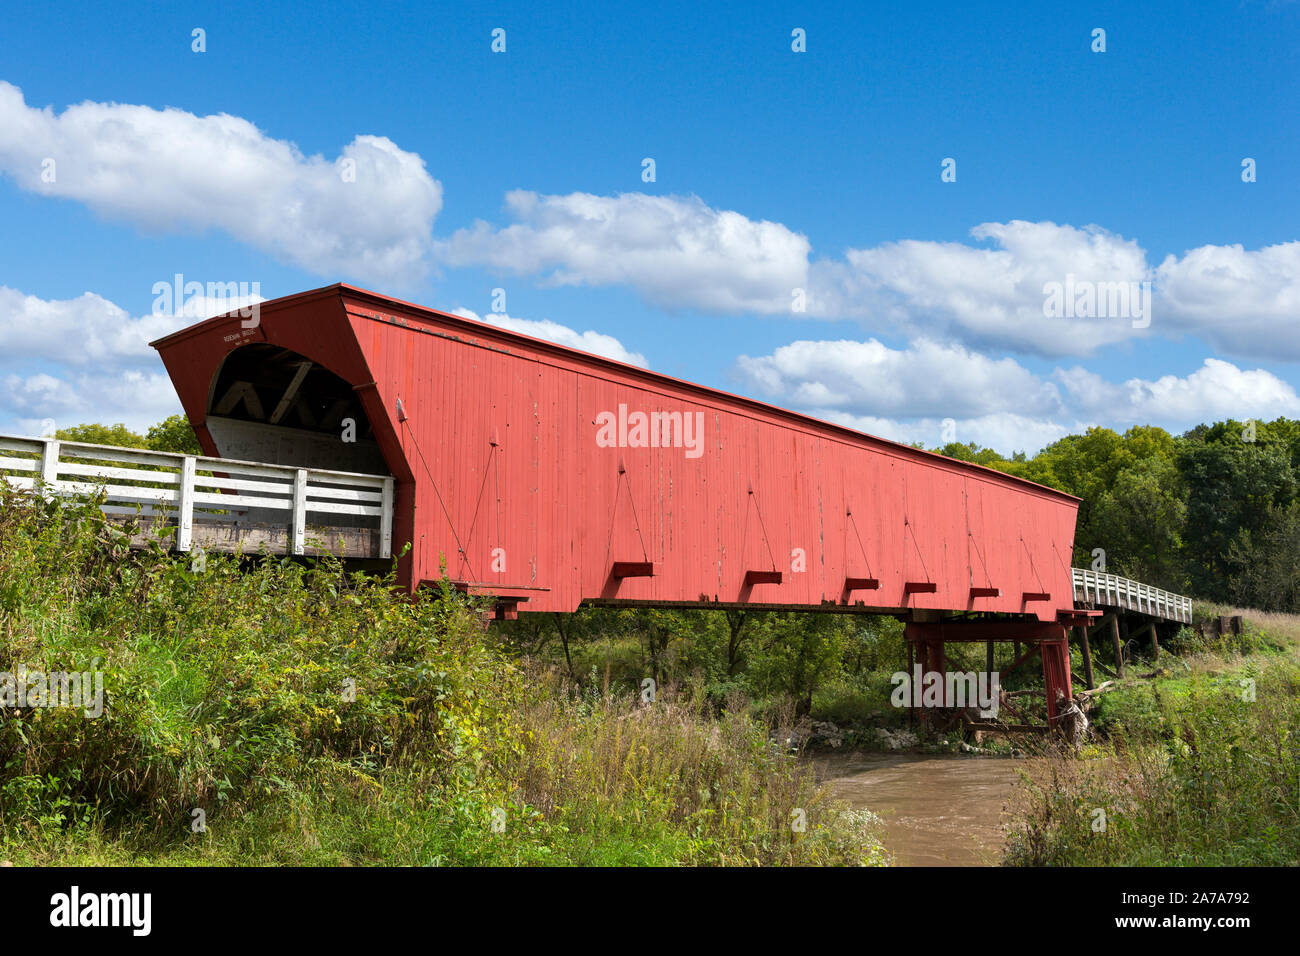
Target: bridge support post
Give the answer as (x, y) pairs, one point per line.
(50, 465)
(386, 519)
(185, 516)
(1086, 650)
(299, 522)
(925, 654)
(934, 661)
(1119, 647)
(1055, 652)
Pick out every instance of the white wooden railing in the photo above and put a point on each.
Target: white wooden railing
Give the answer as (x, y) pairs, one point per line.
(1097, 587)
(192, 488)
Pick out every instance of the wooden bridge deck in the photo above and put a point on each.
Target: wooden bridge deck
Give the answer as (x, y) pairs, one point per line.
(214, 504)
(1110, 590)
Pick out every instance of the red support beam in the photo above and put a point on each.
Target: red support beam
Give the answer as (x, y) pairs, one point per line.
(1056, 673)
(988, 629)
(861, 584)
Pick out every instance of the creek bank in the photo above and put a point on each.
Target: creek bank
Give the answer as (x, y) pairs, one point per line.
(826, 737)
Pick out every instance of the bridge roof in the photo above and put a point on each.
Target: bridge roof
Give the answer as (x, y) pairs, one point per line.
(343, 290)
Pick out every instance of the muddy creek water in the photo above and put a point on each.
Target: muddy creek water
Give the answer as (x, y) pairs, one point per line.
(938, 810)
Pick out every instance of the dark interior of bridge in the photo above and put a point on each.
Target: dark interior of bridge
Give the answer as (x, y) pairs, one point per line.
(271, 404)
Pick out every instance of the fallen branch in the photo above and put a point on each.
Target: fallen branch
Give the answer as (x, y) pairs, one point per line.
(1099, 689)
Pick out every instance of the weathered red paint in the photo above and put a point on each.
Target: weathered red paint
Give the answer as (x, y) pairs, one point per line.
(499, 449)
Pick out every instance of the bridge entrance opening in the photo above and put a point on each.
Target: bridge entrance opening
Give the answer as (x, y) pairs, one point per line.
(270, 404)
(273, 406)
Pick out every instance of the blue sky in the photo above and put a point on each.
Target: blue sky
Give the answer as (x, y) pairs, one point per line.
(775, 170)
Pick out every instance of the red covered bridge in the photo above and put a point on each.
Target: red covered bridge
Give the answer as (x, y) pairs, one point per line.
(550, 477)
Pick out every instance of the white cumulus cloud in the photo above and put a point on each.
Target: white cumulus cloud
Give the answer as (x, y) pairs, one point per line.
(84, 360)
(927, 378)
(1215, 391)
(133, 397)
(988, 293)
(675, 251)
(597, 343)
(1243, 302)
(91, 329)
(909, 394)
(366, 214)
(989, 297)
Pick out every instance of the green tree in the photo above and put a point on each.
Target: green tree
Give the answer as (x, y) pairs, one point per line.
(174, 434)
(1233, 487)
(102, 435)
(1139, 522)
(1264, 565)
(800, 653)
(980, 456)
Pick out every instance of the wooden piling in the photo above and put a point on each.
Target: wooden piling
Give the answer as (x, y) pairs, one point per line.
(1135, 638)
(1087, 656)
(1119, 648)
